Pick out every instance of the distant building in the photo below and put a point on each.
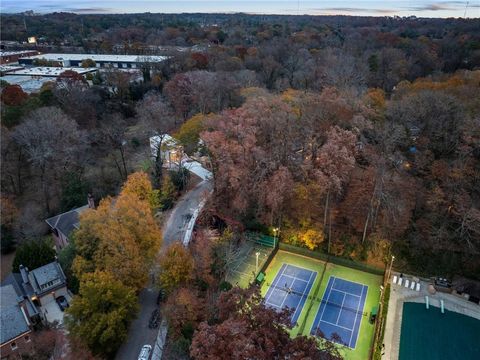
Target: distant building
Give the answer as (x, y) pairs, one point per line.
(167, 148)
(50, 71)
(29, 84)
(5, 69)
(63, 225)
(31, 79)
(9, 57)
(114, 61)
(15, 325)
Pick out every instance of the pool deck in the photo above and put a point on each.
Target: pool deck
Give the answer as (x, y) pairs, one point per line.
(400, 294)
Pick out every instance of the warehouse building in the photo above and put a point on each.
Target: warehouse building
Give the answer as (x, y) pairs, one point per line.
(9, 57)
(113, 61)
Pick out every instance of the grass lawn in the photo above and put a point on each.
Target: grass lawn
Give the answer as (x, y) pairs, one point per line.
(310, 309)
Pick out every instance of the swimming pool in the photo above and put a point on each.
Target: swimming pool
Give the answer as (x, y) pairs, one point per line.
(429, 334)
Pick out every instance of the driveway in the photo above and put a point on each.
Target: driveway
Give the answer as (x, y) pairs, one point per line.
(52, 311)
(174, 230)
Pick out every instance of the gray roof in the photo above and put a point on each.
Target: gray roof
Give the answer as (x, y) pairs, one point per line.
(46, 273)
(8, 296)
(22, 292)
(13, 322)
(15, 280)
(66, 222)
(37, 277)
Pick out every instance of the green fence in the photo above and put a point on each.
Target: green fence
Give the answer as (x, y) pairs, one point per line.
(332, 259)
(261, 239)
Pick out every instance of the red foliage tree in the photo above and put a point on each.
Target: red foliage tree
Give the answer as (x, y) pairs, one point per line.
(70, 76)
(13, 95)
(247, 329)
(200, 60)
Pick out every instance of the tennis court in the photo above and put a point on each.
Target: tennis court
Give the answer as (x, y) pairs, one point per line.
(248, 258)
(310, 288)
(290, 289)
(341, 311)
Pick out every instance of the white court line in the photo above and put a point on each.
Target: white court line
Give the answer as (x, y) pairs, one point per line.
(346, 292)
(273, 284)
(291, 285)
(299, 267)
(341, 308)
(329, 292)
(303, 294)
(356, 316)
(340, 326)
(353, 282)
(296, 278)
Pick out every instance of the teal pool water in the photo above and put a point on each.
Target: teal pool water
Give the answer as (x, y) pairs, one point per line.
(431, 335)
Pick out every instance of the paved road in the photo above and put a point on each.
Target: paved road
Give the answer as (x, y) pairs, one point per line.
(177, 222)
(173, 230)
(140, 334)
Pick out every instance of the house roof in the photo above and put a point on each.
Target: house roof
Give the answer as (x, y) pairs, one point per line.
(37, 277)
(66, 222)
(12, 319)
(46, 273)
(15, 280)
(8, 296)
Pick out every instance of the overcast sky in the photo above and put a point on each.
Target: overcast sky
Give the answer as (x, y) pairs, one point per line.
(420, 8)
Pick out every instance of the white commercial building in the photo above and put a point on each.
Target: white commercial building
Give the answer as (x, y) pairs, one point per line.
(101, 60)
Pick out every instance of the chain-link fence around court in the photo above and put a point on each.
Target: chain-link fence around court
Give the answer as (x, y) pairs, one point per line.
(252, 254)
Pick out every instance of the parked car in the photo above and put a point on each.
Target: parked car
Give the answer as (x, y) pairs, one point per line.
(62, 302)
(145, 352)
(161, 296)
(153, 323)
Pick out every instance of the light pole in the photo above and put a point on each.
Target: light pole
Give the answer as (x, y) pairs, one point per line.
(256, 263)
(275, 232)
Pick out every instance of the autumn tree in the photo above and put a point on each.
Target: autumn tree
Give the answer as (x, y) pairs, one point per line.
(250, 149)
(176, 266)
(168, 193)
(184, 311)
(189, 133)
(119, 236)
(139, 184)
(246, 328)
(13, 95)
(202, 252)
(88, 63)
(101, 313)
(437, 115)
(69, 80)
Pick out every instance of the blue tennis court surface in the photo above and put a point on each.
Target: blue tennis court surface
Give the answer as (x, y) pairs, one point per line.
(341, 311)
(290, 289)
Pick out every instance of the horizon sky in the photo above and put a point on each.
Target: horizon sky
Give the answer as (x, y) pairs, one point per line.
(419, 8)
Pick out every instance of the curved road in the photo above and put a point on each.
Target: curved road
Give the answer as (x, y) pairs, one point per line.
(174, 229)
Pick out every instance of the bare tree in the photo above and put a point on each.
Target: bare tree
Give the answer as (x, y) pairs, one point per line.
(155, 119)
(52, 143)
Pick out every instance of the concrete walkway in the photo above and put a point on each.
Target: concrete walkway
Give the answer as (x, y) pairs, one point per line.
(400, 294)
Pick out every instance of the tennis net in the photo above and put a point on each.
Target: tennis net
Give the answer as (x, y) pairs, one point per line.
(290, 291)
